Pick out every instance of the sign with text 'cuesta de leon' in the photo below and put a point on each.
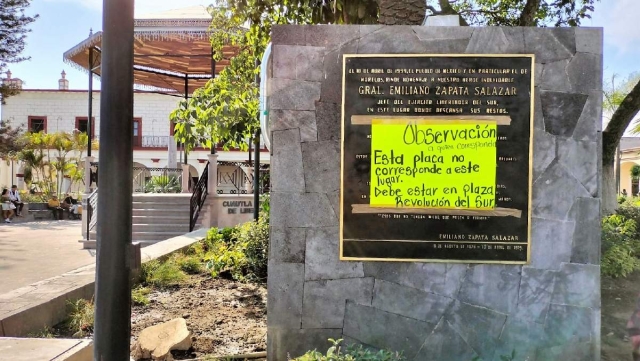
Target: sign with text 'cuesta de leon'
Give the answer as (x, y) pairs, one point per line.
(436, 158)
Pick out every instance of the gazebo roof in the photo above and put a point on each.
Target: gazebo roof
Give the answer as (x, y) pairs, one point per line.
(171, 51)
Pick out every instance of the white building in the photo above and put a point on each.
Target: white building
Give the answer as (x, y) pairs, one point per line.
(62, 110)
(183, 31)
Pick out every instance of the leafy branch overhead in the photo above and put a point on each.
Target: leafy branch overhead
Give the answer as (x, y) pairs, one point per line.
(226, 110)
(412, 12)
(13, 33)
(9, 138)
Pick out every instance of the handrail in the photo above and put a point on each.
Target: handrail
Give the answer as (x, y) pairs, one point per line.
(92, 212)
(198, 197)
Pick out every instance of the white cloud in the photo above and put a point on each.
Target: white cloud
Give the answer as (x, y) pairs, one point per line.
(141, 6)
(620, 21)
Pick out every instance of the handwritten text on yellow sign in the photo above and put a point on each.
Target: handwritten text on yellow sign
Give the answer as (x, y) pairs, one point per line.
(433, 164)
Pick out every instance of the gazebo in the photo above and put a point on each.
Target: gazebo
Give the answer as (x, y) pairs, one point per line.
(172, 53)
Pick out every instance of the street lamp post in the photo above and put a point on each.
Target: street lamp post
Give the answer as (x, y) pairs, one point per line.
(113, 269)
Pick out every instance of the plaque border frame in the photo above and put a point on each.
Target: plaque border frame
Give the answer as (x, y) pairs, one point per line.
(532, 58)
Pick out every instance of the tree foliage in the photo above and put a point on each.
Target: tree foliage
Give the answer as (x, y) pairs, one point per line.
(13, 33)
(9, 138)
(524, 12)
(48, 158)
(226, 110)
(315, 11)
(393, 12)
(615, 93)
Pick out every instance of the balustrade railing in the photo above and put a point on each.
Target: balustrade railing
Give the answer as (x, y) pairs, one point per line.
(233, 178)
(238, 178)
(92, 212)
(147, 141)
(199, 196)
(157, 180)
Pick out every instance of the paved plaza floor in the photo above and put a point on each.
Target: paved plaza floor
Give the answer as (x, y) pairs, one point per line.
(34, 251)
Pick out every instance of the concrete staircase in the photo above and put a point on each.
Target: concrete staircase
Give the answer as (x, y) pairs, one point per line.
(156, 217)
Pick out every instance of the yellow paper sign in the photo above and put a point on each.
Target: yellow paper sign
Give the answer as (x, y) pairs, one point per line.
(433, 164)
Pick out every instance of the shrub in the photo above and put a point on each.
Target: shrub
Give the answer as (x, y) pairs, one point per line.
(45, 332)
(225, 256)
(265, 206)
(622, 199)
(242, 251)
(253, 237)
(139, 296)
(227, 234)
(189, 264)
(630, 210)
(197, 249)
(162, 274)
(80, 318)
(350, 353)
(620, 246)
(163, 184)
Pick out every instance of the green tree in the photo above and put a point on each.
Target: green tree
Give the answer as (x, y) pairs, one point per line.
(413, 12)
(226, 109)
(635, 172)
(9, 138)
(621, 105)
(13, 33)
(48, 158)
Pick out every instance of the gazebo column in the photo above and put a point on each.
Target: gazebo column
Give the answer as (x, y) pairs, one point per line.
(85, 197)
(186, 178)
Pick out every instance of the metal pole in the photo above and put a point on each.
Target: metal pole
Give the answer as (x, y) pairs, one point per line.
(89, 120)
(256, 165)
(186, 98)
(113, 291)
(256, 178)
(213, 75)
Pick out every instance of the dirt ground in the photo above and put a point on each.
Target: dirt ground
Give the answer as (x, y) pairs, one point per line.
(224, 317)
(618, 302)
(229, 318)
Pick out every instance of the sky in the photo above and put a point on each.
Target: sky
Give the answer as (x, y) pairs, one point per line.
(62, 25)
(65, 23)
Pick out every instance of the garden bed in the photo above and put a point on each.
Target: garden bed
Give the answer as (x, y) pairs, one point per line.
(619, 297)
(224, 317)
(217, 285)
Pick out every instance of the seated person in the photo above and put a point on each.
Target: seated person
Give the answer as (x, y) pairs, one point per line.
(14, 196)
(54, 206)
(70, 203)
(7, 206)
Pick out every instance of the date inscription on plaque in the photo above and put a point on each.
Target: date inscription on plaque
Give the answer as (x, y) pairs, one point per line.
(436, 158)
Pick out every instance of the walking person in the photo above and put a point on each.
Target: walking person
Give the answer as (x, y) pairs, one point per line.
(7, 206)
(14, 196)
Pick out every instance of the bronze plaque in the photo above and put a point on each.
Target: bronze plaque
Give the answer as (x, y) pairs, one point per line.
(437, 158)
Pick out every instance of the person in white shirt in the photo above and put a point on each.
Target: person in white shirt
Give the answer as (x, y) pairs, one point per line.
(14, 196)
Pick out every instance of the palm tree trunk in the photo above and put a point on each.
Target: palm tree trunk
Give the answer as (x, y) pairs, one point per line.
(402, 12)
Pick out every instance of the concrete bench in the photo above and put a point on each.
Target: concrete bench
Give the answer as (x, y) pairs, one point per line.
(41, 211)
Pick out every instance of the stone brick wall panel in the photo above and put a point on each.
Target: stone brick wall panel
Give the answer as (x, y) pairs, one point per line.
(548, 310)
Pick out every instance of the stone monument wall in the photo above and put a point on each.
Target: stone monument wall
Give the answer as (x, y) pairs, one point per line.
(547, 310)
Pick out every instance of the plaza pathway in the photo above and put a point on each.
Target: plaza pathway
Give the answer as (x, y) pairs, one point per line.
(34, 251)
